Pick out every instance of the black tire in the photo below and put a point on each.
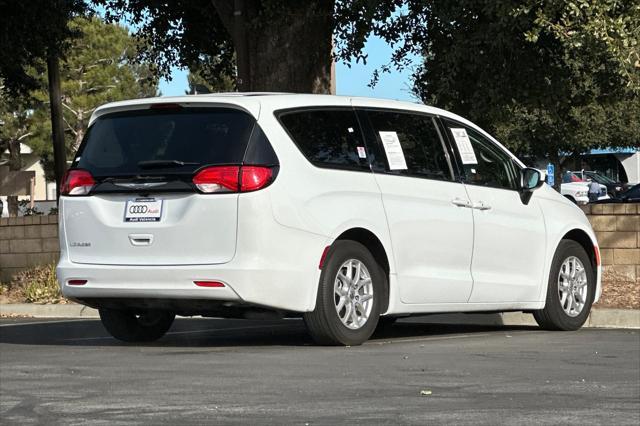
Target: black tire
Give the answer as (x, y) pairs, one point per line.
(131, 327)
(324, 324)
(553, 316)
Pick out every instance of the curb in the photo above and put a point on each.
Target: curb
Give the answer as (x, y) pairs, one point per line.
(70, 310)
(599, 318)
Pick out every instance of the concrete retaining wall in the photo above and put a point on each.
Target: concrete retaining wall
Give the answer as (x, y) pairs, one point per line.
(617, 228)
(33, 240)
(27, 241)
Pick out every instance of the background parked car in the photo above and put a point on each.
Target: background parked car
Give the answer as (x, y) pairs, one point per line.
(576, 189)
(613, 188)
(631, 195)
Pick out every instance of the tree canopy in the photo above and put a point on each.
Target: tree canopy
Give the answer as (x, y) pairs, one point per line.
(546, 78)
(273, 45)
(97, 69)
(29, 31)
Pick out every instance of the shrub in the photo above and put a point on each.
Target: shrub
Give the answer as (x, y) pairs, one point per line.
(39, 284)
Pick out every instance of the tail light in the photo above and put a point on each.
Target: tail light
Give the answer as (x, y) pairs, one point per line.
(232, 178)
(165, 106)
(77, 182)
(254, 178)
(218, 179)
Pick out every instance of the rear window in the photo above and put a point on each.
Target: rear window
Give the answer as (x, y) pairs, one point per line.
(422, 153)
(327, 138)
(151, 141)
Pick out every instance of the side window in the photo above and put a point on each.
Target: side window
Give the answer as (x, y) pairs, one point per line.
(328, 138)
(484, 163)
(410, 143)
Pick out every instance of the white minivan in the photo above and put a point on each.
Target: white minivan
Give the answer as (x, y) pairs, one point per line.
(348, 212)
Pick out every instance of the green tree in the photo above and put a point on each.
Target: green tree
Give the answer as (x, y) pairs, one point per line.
(203, 79)
(547, 78)
(15, 128)
(33, 34)
(269, 39)
(98, 69)
(269, 45)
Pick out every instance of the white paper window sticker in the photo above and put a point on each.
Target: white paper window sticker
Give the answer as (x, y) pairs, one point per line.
(465, 148)
(393, 149)
(361, 152)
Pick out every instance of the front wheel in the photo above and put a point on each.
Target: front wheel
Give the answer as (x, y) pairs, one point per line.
(570, 291)
(349, 296)
(136, 327)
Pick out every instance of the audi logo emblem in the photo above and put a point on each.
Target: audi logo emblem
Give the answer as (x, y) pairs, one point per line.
(138, 209)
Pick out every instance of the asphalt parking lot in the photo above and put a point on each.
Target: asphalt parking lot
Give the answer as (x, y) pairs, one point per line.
(210, 371)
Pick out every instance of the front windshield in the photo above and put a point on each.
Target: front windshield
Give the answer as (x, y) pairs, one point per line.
(570, 177)
(600, 178)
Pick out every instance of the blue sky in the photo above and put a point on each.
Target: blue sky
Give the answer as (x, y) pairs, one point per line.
(350, 81)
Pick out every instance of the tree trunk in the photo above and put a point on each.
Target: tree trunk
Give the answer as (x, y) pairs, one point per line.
(15, 164)
(286, 50)
(57, 125)
(77, 140)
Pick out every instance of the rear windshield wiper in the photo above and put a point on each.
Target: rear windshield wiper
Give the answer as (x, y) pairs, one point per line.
(158, 164)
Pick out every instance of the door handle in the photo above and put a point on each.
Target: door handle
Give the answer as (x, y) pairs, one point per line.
(461, 203)
(481, 206)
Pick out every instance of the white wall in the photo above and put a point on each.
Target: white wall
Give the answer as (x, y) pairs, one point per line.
(631, 164)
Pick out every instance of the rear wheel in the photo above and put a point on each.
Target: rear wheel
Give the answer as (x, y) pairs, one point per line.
(136, 327)
(349, 296)
(570, 290)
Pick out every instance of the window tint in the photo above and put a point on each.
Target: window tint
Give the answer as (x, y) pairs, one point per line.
(116, 144)
(491, 167)
(420, 142)
(328, 138)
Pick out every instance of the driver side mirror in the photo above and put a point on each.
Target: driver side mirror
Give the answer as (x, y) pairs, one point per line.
(530, 180)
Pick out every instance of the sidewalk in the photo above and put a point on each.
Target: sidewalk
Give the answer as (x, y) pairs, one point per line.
(599, 318)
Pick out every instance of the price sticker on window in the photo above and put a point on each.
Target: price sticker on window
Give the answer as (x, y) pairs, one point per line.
(393, 149)
(467, 154)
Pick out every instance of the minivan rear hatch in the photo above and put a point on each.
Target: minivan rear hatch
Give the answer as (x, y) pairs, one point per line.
(144, 208)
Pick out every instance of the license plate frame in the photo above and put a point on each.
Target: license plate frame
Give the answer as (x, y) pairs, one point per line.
(144, 209)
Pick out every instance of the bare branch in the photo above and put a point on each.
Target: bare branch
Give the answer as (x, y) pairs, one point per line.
(69, 126)
(26, 135)
(70, 109)
(96, 88)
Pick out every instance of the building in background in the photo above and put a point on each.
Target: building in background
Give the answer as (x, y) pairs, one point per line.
(621, 165)
(44, 192)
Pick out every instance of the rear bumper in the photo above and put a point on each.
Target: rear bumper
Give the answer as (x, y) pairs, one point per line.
(274, 266)
(141, 282)
(283, 289)
(271, 274)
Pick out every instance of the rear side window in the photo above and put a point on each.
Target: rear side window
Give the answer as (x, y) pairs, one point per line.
(149, 141)
(327, 138)
(420, 152)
